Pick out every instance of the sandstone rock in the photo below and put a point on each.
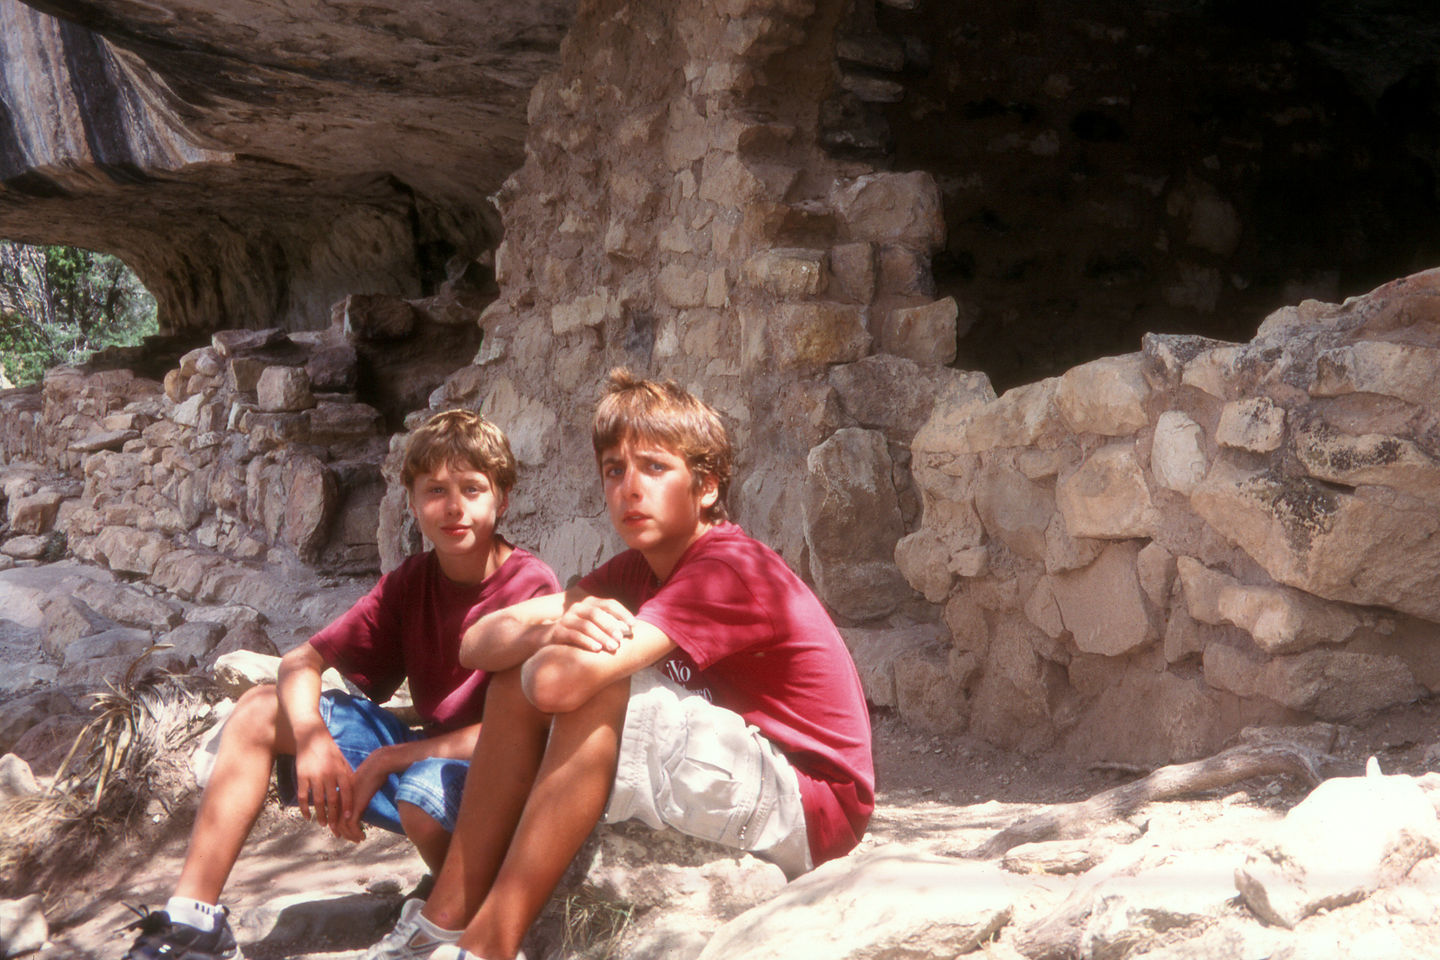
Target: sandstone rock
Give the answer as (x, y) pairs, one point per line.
(130, 551)
(104, 440)
(788, 272)
(881, 904)
(1015, 511)
(682, 287)
(315, 918)
(122, 642)
(924, 561)
(192, 642)
(19, 714)
(1375, 546)
(852, 273)
(239, 670)
(310, 503)
(335, 424)
(67, 619)
(666, 871)
(1106, 396)
(232, 343)
(1185, 891)
(803, 334)
(332, 369)
(904, 272)
(1256, 424)
(1283, 620)
(897, 395)
(876, 650)
(1102, 605)
(244, 638)
(1107, 497)
(128, 605)
(27, 547)
(1331, 684)
(1405, 371)
(850, 477)
(1157, 569)
(926, 333)
(377, 317)
(23, 928)
(927, 694)
(1379, 459)
(17, 780)
(1348, 838)
(242, 374)
(1018, 418)
(284, 390)
(1064, 552)
(892, 208)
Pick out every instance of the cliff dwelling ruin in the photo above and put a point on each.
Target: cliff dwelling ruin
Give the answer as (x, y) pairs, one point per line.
(1033, 320)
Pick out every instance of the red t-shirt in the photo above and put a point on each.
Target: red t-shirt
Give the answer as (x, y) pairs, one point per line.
(410, 624)
(754, 639)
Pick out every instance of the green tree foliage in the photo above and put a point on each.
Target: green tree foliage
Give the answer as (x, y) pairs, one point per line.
(58, 305)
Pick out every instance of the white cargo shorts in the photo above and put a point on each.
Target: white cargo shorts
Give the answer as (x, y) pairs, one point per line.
(700, 769)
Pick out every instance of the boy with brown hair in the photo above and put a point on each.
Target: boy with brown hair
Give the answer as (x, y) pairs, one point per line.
(693, 681)
(342, 758)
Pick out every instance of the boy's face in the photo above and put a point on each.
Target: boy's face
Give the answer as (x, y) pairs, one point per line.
(457, 508)
(653, 500)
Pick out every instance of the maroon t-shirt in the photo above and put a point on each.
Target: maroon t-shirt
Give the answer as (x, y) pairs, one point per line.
(409, 625)
(754, 639)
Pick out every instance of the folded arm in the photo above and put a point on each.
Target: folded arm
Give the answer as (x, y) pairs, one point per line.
(509, 637)
(562, 676)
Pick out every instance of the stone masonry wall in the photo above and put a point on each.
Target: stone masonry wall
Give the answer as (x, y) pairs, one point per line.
(675, 214)
(1145, 554)
(252, 449)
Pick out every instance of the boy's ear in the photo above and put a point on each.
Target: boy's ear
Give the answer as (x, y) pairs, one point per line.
(709, 490)
(502, 505)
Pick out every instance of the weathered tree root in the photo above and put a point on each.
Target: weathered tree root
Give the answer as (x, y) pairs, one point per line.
(1238, 763)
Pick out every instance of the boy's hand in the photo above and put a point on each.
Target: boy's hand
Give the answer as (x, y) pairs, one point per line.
(597, 624)
(369, 778)
(324, 781)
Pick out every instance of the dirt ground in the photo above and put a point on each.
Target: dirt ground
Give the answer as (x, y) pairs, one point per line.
(947, 792)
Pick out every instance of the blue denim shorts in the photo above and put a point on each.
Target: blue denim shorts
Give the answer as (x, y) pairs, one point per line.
(360, 727)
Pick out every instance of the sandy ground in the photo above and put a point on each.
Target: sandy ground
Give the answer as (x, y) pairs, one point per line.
(946, 795)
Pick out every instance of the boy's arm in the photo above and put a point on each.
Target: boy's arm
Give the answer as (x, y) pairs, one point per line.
(457, 744)
(507, 638)
(323, 778)
(569, 669)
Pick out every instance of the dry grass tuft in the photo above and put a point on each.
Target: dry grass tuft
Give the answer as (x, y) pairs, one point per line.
(594, 926)
(130, 754)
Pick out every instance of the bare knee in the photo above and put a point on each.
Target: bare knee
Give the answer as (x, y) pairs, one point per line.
(256, 717)
(431, 839)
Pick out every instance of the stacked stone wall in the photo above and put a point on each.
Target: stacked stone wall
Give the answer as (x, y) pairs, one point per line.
(1140, 557)
(678, 215)
(249, 450)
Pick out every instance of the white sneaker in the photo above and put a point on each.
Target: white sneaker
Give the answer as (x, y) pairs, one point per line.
(452, 952)
(414, 937)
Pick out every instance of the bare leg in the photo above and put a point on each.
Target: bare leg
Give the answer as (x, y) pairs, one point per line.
(253, 736)
(502, 771)
(568, 797)
(431, 840)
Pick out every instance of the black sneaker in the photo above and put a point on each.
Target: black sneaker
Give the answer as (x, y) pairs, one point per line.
(162, 939)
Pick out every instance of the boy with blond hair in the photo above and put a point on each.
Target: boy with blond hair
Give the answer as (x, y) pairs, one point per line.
(691, 682)
(343, 759)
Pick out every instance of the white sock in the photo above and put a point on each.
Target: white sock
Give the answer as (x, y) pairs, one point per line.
(193, 913)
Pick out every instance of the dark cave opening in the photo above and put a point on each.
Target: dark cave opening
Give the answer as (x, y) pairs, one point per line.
(1114, 169)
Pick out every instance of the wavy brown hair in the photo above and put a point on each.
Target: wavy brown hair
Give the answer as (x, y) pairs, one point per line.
(458, 438)
(663, 412)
